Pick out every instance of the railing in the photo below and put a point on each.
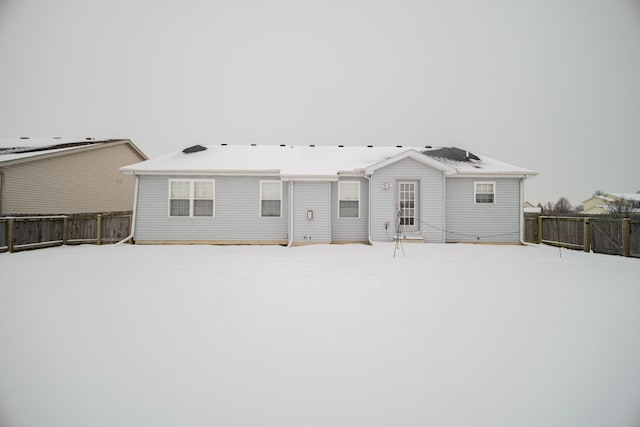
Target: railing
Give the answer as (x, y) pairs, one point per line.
(32, 232)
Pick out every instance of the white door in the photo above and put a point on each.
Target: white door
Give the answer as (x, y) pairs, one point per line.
(408, 206)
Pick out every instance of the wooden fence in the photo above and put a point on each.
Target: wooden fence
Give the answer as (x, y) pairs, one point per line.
(31, 232)
(615, 236)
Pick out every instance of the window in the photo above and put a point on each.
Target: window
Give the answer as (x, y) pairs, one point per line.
(348, 199)
(191, 197)
(271, 199)
(485, 192)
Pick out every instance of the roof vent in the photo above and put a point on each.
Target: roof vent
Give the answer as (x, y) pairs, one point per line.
(369, 146)
(312, 145)
(283, 145)
(398, 146)
(253, 145)
(194, 149)
(224, 144)
(341, 146)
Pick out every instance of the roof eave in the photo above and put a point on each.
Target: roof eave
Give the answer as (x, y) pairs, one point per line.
(506, 174)
(133, 171)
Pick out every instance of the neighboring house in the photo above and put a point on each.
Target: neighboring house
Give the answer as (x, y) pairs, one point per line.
(529, 208)
(56, 176)
(608, 203)
(321, 194)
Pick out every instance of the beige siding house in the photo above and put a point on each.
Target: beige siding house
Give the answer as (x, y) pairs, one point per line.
(62, 177)
(605, 204)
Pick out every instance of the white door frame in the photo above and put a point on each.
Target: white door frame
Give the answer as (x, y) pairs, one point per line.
(408, 205)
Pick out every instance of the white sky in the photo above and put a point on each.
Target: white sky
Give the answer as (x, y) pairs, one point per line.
(547, 85)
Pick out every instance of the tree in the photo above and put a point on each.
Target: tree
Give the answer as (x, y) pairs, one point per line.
(621, 207)
(599, 193)
(562, 206)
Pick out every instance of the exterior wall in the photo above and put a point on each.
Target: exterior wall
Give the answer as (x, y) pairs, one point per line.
(237, 212)
(315, 196)
(84, 181)
(497, 222)
(384, 203)
(350, 229)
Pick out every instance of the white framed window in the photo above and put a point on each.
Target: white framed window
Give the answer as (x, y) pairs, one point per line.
(484, 192)
(192, 197)
(270, 199)
(348, 199)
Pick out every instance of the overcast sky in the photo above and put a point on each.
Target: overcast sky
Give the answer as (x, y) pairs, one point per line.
(550, 85)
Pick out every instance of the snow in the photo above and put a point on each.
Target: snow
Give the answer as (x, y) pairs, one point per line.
(628, 196)
(10, 148)
(328, 335)
(321, 161)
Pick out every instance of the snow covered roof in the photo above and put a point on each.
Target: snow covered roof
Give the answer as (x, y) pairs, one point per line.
(627, 196)
(310, 161)
(15, 149)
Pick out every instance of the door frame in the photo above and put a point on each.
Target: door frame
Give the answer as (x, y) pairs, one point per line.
(416, 205)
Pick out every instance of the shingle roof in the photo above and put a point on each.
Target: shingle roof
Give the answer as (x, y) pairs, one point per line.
(19, 149)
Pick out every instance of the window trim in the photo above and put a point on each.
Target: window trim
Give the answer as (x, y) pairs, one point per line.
(475, 192)
(339, 199)
(270, 181)
(191, 198)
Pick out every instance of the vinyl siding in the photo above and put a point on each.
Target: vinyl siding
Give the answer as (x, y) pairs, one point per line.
(384, 203)
(84, 181)
(466, 220)
(237, 212)
(315, 196)
(350, 229)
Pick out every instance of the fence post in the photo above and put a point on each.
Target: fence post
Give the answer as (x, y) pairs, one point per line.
(587, 235)
(626, 232)
(65, 228)
(10, 234)
(539, 240)
(99, 226)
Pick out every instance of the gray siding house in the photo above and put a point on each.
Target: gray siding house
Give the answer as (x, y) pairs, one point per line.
(298, 195)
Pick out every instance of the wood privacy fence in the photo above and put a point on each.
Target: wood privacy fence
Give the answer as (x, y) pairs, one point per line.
(31, 232)
(614, 236)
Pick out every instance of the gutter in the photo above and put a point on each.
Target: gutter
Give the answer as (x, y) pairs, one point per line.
(133, 215)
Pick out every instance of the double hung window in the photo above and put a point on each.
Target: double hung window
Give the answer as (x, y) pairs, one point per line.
(271, 199)
(192, 197)
(348, 199)
(485, 192)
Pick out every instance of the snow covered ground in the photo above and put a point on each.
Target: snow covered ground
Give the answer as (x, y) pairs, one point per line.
(447, 335)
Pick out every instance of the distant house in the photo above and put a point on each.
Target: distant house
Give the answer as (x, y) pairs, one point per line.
(530, 208)
(321, 194)
(55, 176)
(606, 203)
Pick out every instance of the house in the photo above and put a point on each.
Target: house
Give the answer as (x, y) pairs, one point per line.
(530, 208)
(320, 194)
(604, 204)
(63, 176)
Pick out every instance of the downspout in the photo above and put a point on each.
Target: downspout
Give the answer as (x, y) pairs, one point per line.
(522, 212)
(133, 215)
(368, 178)
(290, 213)
(444, 207)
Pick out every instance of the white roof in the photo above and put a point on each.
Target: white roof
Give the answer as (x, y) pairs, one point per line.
(627, 196)
(307, 161)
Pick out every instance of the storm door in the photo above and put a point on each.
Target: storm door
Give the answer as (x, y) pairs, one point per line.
(408, 206)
